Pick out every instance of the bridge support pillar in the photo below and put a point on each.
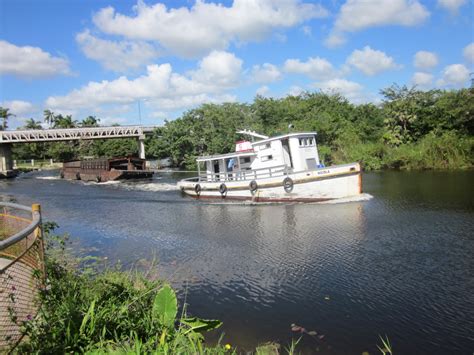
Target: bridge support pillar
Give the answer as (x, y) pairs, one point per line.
(141, 147)
(6, 162)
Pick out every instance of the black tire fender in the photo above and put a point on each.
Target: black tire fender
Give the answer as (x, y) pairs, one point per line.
(253, 186)
(288, 184)
(223, 190)
(98, 178)
(78, 176)
(197, 189)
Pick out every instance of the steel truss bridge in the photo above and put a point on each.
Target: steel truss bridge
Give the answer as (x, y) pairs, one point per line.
(68, 134)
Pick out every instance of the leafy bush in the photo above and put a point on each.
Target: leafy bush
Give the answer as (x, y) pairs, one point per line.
(111, 311)
(445, 151)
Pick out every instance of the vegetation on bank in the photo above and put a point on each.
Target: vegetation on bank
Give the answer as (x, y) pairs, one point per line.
(88, 310)
(409, 129)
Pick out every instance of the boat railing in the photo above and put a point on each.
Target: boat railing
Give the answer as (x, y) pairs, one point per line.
(243, 175)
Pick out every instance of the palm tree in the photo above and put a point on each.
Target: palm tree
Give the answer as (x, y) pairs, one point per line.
(90, 121)
(49, 117)
(64, 122)
(32, 124)
(4, 115)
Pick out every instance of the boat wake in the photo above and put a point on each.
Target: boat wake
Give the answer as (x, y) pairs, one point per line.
(152, 187)
(358, 198)
(47, 177)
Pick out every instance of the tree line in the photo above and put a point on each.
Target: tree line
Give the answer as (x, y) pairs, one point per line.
(409, 129)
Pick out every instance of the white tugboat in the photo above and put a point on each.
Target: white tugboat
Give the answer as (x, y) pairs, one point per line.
(277, 169)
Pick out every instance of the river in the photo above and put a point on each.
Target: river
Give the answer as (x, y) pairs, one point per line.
(398, 262)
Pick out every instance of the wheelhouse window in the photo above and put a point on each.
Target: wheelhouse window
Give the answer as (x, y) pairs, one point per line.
(267, 157)
(245, 160)
(307, 142)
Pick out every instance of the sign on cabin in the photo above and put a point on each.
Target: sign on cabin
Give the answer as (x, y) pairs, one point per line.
(243, 146)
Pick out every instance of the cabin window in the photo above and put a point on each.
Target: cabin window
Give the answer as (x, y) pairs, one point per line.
(267, 146)
(306, 142)
(245, 160)
(267, 157)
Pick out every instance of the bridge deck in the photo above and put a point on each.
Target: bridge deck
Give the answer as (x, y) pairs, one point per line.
(66, 134)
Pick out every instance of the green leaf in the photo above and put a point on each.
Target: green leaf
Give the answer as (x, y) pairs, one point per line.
(165, 306)
(196, 324)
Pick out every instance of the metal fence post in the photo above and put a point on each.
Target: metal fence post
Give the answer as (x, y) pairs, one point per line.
(36, 208)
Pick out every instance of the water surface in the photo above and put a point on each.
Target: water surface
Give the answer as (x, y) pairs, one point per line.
(400, 263)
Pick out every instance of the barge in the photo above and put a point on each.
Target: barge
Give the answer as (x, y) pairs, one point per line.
(103, 169)
(285, 168)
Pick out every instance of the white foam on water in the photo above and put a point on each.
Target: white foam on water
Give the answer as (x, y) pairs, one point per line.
(153, 187)
(358, 198)
(112, 182)
(47, 177)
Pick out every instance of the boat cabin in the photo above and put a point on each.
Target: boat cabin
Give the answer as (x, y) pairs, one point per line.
(287, 153)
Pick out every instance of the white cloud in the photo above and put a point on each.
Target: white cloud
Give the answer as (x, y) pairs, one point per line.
(295, 90)
(370, 61)
(217, 72)
(194, 31)
(22, 110)
(19, 107)
(117, 56)
(316, 68)
(469, 52)
(356, 15)
(175, 103)
(425, 60)
(422, 80)
(265, 73)
(263, 90)
(349, 89)
(454, 75)
(30, 62)
(219, 68)
(451, 5)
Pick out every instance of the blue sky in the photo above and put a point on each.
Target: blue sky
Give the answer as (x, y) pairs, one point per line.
(104, 57)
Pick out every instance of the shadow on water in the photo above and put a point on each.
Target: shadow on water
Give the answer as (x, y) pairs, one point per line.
(399, 263)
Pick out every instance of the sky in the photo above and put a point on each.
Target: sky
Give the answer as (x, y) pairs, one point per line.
(144, 62)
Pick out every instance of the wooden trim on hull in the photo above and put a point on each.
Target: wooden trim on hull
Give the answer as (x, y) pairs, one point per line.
(277, 184)
(259, 199)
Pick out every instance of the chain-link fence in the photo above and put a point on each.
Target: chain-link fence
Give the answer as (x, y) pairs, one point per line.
(22, 272)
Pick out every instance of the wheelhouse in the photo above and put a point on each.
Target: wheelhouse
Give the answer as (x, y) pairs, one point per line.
(264, 158)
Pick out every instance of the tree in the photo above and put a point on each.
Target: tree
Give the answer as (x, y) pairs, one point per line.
(5, 115)
(32, 124)
(90, 121)
(61, 121)
(49, 117)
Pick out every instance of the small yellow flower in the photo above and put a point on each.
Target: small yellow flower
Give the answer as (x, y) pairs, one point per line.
(227, 347)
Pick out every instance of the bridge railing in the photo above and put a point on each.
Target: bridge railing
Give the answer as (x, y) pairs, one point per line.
(22, 270)
(61, 134)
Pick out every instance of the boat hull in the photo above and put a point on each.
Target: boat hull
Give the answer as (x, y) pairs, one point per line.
(306, 186)
(104, 176)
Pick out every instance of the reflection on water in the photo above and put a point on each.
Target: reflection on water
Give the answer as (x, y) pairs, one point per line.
(399, 263)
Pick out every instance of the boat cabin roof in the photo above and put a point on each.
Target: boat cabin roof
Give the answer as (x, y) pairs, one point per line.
(226, 156)
(251, 153)
(289, 135)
